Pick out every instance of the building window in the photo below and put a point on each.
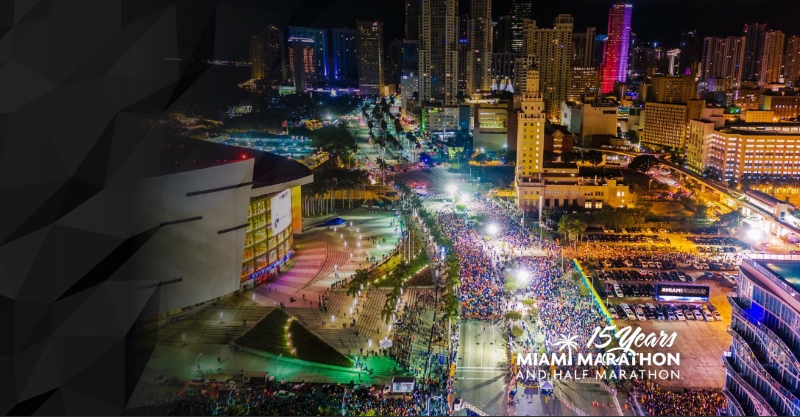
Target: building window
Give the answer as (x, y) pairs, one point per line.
(598, 205)
(547, 202)
(574, 202)
(587, 205)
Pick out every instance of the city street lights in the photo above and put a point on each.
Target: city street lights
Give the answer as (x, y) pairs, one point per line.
(492, 229)
(523, 276)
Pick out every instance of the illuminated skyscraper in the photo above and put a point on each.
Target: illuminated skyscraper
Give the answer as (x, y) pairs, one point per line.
(754, 50)
(772, 58)
(479, 57)
(256, 57)
(320, 38)
(689, 59)
(370, 58)
(303, 63)
(520, 10)
(551, 50)
(413, 8)
(791, 66)
(438, 52)
(615, 58)
(345, 54)
(582, 46)
(723, 61)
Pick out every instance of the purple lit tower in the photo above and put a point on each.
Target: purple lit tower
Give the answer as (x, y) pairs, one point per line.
(615, 58)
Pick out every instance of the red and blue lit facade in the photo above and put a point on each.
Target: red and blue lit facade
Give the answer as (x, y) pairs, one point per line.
(615, 58)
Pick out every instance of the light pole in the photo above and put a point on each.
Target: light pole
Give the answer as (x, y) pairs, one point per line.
(195, 362)
(276, 367)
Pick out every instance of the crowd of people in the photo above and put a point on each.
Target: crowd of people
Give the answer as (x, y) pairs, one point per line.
(656, 401)
(264, 402)
(481, 290)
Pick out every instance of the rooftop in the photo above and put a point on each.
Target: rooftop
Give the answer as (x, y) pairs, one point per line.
(166, 156)
(788, 271)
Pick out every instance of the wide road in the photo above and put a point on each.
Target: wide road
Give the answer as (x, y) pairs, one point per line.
(481, 370)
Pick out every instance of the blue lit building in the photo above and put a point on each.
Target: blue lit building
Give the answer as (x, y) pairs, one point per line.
(762, 369)
(345, 54)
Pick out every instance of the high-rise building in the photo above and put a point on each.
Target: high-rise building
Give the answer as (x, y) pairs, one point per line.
(394, 63)
(520, 10)
(479, 56)
(585, 83)
(410, 56)
(754, 50)
(551, 50)
(503, 68)
(257, 57)
(303, 63)
(345, 54)
(665, 124)
(501, 35)
(275, 65)
(689, 59)
(530, 127)
(723, 61)
(791, 66)
(772, 58)
(438, 52)
(320, 38)
(643, 60)
(413, 9)
(762, 367)
(370, 58)
(615, 58)
(667, 89)
(598, 49)
(582, 46)
(785, 106)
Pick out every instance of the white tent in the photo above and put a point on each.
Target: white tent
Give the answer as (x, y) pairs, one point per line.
(385, 344)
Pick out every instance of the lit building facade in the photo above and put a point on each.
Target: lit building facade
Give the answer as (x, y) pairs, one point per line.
(438, 52)
(665, 124)
(320, 38)
(520, 10)
(785, 106)
(345, 54)
(745, 150)
(303, 63)
(530, 128)
(598, 118)
(668, 89)
(583, 48)
(791, 66)
(370, 58)
(754, 50)
(551, 50)
(226, 217)
(436, 119)
(700, 134)
(615, 57)
(762, 367)
(585, 83)
(772, 59)
(723, 62)
(256, 57)
(479, 57)
(413, 10)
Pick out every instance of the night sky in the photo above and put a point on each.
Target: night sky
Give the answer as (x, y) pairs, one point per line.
(653, 20)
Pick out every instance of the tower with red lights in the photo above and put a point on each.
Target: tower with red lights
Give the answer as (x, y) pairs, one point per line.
(615, 58)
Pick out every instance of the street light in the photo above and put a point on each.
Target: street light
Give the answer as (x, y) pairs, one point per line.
(451, 189)
(523, 276)
(492, 229)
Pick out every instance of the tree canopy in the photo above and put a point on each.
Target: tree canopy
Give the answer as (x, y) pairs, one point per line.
(642, 163)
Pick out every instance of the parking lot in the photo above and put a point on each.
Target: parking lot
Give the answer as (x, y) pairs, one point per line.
(699, 342)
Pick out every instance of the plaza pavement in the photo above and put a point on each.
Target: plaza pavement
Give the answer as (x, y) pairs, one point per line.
(320, 255)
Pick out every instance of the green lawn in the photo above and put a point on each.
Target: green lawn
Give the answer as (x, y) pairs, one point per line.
(270, 335)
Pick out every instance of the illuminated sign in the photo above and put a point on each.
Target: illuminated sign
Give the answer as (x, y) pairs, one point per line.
(677, 292)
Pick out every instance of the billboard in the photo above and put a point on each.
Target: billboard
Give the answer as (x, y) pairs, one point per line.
(677, 292)
(281, 206)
